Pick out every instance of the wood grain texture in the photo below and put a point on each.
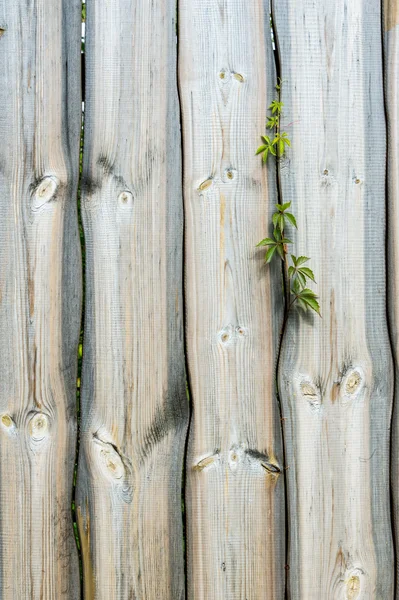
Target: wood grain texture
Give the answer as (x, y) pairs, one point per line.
(235, 493)
(40, 290)
(134, 406)
(336, 372)
(391, 76)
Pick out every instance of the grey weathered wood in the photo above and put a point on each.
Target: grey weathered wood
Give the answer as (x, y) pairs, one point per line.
(336, 372)
(391, 66)
(235, 495)
(40, 289)
(134, 406)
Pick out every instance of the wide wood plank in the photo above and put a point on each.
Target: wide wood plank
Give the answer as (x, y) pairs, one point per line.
(391, 67)
(40, 289)
(235, 490)
(336, 372)
(134, 406)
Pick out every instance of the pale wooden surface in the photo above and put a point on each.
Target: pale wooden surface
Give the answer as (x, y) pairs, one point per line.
(40, 284)
(336, 372)
(391, 64)
(134, 406)
(235, 496)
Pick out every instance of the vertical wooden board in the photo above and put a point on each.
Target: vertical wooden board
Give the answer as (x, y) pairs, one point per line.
(40, 295)
(336, 372)
(391, 76)
(134, 406)
(235, 489)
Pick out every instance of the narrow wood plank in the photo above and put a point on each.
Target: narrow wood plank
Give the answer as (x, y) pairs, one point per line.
(235, 489)
(336, 372)
(40, 295)
(134, 406)
(391, 72)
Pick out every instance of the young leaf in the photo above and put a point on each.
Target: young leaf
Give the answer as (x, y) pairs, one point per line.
(260, 150)
(285, 138)
(285, 206)
(272, 122)
(267, 140)
(291, 272)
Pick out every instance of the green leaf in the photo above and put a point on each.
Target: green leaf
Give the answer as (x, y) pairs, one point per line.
(296, 287)
(279, 207)
(275, 219)
(265, 155)
(276, 106)
(270, 253)
(291, 219)
(307, 293)
(291, 272)
(280, 250)
(308, 273)
(301, 278)
(266, 139)
(286, 241)
(266, 242)
(260, 150)
(285, 206)
(301, 260)
(293, 259)
(281, 221)
(272, 122)
(314, 305)
(272, 151)
(277, 235)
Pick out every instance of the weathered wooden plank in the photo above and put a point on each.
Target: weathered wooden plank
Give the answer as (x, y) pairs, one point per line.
(336, 372)
(391, 71)
(40, 284)
(134, 406)
(235, 489)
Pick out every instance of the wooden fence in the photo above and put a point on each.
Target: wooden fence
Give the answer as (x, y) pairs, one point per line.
(227, 492)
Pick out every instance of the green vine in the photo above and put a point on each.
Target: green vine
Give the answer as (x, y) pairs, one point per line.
(296, 275)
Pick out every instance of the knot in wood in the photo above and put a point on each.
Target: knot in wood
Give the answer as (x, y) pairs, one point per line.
(45, 192)
(38, 427)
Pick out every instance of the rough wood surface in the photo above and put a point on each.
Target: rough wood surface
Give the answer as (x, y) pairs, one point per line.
(235, 495)
(336, 372)
(391, 66)
(40, 283)
(134, 406)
